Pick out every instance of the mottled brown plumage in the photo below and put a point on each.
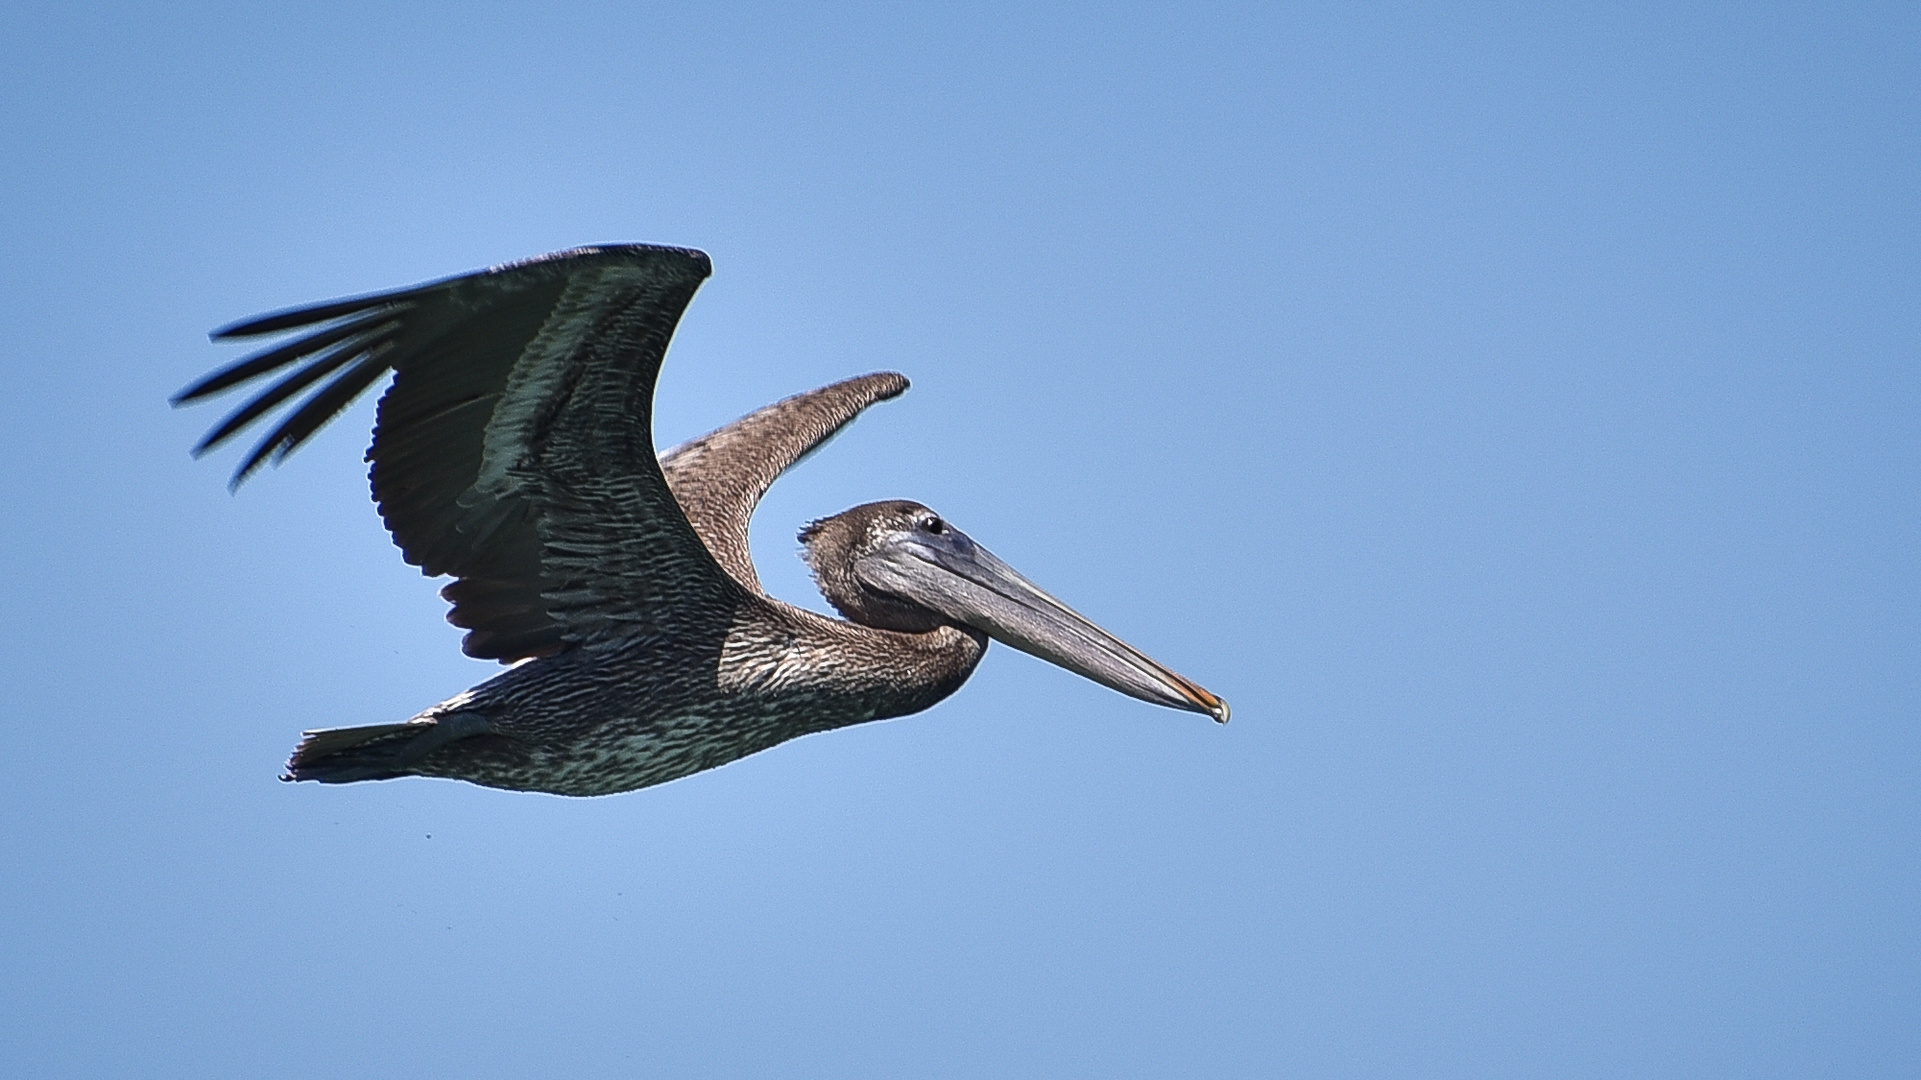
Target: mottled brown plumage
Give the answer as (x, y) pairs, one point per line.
(514, 451)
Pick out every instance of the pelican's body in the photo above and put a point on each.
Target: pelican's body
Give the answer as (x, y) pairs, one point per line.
(645, 711)
(514, 451)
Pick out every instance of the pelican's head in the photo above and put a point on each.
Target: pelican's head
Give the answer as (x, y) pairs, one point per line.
(897, 565)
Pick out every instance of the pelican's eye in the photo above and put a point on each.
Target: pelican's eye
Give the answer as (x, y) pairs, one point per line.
(933, 525)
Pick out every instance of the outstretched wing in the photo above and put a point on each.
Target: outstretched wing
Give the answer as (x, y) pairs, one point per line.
(514, 449)
(719, 478)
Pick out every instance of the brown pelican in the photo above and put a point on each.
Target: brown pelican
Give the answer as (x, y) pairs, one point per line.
(514, 451)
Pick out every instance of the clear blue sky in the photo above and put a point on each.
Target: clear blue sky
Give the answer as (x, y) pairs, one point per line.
(1512, 412)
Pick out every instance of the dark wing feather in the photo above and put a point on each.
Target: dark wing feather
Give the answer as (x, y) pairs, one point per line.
(484, 464)
(720, 477)
(323, 364)
(622, 560)
(260, 363)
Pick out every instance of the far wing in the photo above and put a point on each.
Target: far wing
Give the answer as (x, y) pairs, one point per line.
(514, 448)
(720, 477)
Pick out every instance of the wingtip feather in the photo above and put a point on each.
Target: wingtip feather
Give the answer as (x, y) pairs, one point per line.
(292, 318)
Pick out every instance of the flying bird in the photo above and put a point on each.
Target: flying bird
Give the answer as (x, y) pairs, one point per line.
(514, 451)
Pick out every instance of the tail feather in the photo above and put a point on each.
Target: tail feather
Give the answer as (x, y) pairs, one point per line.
(375, 752)
(343, 755)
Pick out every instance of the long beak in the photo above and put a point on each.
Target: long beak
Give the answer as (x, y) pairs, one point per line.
(965, 582)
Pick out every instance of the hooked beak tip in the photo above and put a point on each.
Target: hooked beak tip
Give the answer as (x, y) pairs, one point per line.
(1216, 708)
(1205, 702)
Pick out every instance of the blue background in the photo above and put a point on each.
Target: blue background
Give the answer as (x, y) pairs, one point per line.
(1511, 412)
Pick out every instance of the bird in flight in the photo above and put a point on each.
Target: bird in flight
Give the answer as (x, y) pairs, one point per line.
(514, 452)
